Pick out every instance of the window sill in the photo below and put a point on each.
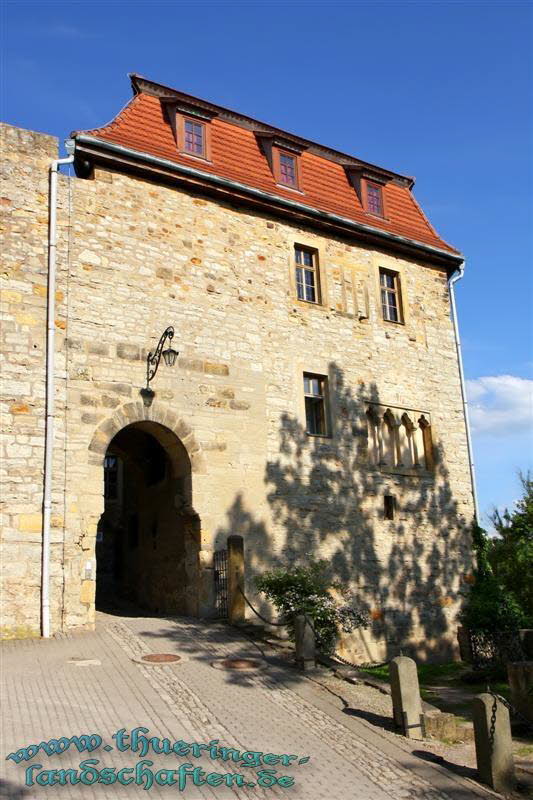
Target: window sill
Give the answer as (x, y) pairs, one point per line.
(307, 303)
(326, 437)
(201, 159)
(393, 322)
(409, 472)
(376, 216)
(290, 188)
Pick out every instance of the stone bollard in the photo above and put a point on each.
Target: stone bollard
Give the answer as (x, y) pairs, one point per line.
(526, 641)
(520, 674)
(236, 604)
(494, 745)
(305, 643)
(406, 702)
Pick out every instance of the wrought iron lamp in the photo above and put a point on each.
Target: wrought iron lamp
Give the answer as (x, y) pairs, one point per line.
(152, 363)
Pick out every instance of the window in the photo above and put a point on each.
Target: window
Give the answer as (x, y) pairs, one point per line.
(399, 440)
(307, 277)
(389, 505)
(287, 170)
(315, 391)
(285, 167)
(391, 305)
(194, 141)
(193, 135)
(374, 199)
(111, 478)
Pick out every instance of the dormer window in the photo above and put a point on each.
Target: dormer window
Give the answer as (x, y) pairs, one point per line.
(194, 139)
(288, 170)
(283, 156)
(191, 126)
(374, 199)
(368, 184)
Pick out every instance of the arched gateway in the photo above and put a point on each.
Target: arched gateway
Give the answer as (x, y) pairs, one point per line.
(148, 537)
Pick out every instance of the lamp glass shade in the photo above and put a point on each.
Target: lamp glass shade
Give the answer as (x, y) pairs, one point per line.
(170, 356)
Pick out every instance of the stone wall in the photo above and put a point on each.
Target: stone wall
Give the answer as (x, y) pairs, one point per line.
(139, 257)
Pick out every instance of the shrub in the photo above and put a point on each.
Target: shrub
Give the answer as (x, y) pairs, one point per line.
(491, 613)
(306, 590)
(491, 609)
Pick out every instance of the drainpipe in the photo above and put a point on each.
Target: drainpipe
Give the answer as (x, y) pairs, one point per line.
(50, 387)
(452, 281)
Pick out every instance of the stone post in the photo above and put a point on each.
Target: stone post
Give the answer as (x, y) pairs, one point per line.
(236, 604)
(526, 641)
(520, 675)
(494, 745)
(305, 643)
(406, 702)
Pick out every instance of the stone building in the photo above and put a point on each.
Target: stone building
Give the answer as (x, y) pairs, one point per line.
(315, 407)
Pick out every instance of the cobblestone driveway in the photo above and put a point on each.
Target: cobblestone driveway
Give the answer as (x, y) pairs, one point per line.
(91, 683)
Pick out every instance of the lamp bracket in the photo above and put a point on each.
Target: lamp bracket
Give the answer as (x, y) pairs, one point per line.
(153, 359)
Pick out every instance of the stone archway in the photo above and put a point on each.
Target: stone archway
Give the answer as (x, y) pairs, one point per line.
(176, 585)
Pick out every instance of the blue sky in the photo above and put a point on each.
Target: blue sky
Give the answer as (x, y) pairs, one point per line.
(438, 90)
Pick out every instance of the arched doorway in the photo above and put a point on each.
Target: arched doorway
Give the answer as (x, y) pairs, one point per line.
(148, 537)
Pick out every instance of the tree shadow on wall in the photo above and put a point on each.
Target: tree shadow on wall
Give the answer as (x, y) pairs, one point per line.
(326, 501)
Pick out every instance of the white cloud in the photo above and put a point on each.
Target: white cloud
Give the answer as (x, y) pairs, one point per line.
(500, 404)
(67, 31)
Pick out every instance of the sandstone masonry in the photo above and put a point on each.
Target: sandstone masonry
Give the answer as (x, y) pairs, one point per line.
(134, 257)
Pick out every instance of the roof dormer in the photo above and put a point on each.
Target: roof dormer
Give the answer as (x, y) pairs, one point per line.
(283, 156)
(191, 126)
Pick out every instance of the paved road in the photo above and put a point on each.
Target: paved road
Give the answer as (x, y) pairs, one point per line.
(92, 683)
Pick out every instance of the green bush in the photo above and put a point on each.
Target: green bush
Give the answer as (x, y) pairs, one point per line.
(491, 613)
(305, 590)
(491, 609)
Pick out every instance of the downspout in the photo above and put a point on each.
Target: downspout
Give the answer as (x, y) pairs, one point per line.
(451, 282)
(50, 387)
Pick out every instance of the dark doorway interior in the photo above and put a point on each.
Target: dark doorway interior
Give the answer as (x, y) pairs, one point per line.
(148, 537)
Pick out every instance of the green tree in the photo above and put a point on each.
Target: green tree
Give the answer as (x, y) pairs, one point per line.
(490, 606)
(510, 554)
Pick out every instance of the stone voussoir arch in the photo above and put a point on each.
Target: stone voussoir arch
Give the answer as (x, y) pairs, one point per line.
(136, 411)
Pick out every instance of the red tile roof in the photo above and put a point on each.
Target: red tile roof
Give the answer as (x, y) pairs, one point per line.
(236, 155)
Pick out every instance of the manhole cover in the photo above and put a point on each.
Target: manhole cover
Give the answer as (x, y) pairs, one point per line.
(160, 658)
(239, 663)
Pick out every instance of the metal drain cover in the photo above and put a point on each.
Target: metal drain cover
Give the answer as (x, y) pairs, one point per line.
(160, 658)
(241, 664)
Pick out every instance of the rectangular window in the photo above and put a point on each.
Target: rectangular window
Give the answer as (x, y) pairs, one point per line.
(391, 302)
(194, 139)
(307, 278)
(374, 199)
(389, 506)
(111, 478)
(315, 392)
(288, 175)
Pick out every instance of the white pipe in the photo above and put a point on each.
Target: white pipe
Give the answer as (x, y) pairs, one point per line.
(50, 391)
(452, 281)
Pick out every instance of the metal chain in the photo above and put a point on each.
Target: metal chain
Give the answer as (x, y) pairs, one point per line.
(492, 720)
(365, 665)
(524, 720)
(268, 622)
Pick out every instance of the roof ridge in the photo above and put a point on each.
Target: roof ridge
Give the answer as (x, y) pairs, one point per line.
(137, 79)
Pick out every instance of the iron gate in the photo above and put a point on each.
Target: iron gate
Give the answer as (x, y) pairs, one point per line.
(220, 564)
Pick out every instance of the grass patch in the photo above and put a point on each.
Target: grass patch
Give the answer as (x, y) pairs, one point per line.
(428, 674)
(449, 678)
